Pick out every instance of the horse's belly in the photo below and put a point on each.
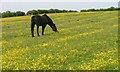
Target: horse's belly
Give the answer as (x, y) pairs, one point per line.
(40, 24)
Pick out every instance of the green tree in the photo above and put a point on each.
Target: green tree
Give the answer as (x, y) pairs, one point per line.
(51, 11)
(83, 10)
(19, 13)
(42, 11)
(29, 12)
(32, 12)
(0, 15)
(7, 14)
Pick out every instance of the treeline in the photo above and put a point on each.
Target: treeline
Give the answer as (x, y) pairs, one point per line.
(12, 14)
(39, 11)
(107, 9)
(32, 12)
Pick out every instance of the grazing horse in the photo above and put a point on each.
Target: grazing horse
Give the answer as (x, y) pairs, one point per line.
(41, 21)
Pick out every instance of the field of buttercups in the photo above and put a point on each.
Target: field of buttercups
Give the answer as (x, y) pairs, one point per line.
(86, 41)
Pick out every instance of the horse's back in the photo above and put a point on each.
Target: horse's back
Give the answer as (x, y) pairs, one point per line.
(41, 20)
(37, 20)
(44, 19)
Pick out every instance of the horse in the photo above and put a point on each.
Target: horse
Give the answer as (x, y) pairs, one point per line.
(42, 21)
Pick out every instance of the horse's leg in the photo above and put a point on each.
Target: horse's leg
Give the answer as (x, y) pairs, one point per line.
(38, 30)
(32, 28)
(43, 28)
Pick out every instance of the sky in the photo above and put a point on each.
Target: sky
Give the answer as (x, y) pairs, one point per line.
(25, 5)
(59, 0)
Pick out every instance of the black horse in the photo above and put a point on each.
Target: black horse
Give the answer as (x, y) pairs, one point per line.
(41, 21)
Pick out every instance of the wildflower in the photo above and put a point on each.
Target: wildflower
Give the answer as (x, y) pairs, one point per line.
(45, 44)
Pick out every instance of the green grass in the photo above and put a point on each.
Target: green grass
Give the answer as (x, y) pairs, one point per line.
(86, 41)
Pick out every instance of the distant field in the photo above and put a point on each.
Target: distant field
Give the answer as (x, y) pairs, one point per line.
(86, 41)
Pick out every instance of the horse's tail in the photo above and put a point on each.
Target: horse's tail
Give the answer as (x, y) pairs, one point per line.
(32, 25)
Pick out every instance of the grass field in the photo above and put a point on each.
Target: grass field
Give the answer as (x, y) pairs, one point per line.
(86, 41)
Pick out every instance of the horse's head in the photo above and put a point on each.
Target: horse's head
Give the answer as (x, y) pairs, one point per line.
(54, 28)
(50, 23)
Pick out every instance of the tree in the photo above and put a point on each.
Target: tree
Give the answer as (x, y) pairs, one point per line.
(111, 8)
(14, 13)
(91, 10)
(0, 15)
(32, 12)
(42, 11)
(64, 11)
(7, 14)
(72, 11)
(19, 13)
(29, 12)
(83, 10)
(51, 11)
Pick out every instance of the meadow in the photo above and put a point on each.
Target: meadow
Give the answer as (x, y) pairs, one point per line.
(86, 41)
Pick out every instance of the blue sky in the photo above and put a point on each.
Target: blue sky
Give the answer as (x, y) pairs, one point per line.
(21, 5)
